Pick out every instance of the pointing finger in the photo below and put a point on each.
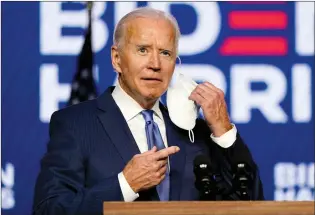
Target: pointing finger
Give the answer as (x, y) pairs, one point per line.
(164, 153)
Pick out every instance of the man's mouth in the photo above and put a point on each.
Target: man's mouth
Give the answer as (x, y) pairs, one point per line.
(152, 79)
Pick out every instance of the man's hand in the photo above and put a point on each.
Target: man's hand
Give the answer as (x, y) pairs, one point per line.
(211, 100)
(148, 169)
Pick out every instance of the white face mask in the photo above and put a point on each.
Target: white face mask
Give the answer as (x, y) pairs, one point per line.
(183, 112)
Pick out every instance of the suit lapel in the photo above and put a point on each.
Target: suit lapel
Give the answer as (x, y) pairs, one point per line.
(118, 131)
(177, 161)
(116, 126)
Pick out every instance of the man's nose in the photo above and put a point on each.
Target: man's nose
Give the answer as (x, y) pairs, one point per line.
(155, 62)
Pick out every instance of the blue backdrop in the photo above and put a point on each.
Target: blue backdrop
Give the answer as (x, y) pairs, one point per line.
(260, 54)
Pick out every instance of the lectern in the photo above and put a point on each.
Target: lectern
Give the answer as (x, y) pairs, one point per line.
(210, 208)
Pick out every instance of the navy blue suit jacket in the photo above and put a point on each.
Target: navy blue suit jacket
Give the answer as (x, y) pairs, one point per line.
(90, 143)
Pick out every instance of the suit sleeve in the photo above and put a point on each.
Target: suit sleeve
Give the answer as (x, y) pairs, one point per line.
(60, 186)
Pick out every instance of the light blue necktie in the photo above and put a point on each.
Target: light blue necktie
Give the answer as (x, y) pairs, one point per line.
(154, 138)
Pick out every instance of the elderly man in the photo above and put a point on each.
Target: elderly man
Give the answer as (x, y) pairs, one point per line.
(103, 149)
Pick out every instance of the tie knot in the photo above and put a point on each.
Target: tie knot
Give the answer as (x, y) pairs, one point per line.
(147, 115)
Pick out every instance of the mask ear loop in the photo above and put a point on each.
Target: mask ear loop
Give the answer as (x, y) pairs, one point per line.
(178, 73)
(191, 136)
(180, 61)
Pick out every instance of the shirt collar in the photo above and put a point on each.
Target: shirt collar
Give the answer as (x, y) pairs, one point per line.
(129, 107)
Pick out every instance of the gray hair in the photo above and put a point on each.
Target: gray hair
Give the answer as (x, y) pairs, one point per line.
(144, 12)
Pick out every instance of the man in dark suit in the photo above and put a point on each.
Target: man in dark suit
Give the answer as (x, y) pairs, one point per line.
(123, 146)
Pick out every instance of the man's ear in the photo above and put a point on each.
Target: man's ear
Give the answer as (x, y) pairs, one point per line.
(115, 58)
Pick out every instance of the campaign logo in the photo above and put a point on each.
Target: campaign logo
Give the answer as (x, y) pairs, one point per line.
(294, 181)
(248, 33)
(7, 184)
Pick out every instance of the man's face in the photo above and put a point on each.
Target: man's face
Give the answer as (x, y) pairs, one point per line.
(147, 58)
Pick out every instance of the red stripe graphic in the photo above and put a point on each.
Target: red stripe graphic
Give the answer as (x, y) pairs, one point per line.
(257, 20)
(255, 46)
(257, 2)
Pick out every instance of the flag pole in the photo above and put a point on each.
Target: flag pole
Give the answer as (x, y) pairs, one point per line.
(83, 84)
(89, 7)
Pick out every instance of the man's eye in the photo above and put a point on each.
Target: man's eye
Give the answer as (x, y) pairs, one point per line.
(142, 50)
(166, 53)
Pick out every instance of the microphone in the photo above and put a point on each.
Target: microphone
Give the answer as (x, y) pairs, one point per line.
(243, 179)
(205, 181)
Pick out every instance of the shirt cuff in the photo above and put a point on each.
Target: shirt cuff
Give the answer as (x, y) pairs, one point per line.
(227, 139)
(128, 194)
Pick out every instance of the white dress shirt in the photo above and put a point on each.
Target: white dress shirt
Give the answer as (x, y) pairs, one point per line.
(131, 111)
